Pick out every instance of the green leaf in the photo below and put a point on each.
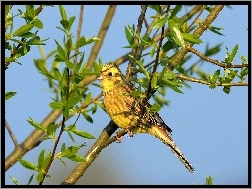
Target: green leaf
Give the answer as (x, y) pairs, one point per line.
(9, 95)
(61, 52)
(156, 8)
(176, 89)
(41, 159)
(176, 34)
(154, 81)
(168, 46)
(81, 42)
(51, 129)
(155, 107)
(63, 12)
(69, 152)
(213, 50)
(57, 74)
(69, 64)
(12, 178)
(136, 93)
(82, 134)
(46, 160)
(215, 76)
(39, 177)
(72, 128)
(72, 101)
(84, 41)
(30, 180)
(36, 125)
(176, 10)
(23, 29)
(209, 180)
(88, 98)
(191, 38)
(226, 89)
(146, 40)
(56, 105)
(129, 35)
(215, 29)
(27, 164)
(159, 23)
(233, 53)
(87, 117)
(70, 21)
(38, 24)
(77, 158)
(141, 66)
(160, 101)
(94, 109)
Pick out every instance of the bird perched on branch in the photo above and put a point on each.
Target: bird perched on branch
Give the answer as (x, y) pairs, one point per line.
(127, 111)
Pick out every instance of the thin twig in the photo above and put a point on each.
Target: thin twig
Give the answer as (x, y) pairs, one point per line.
(216, 62)
(78, 32)
(200, 13)
(101, 35)
(136, 54)
(13, 138)
(208, 83)
(149, 92)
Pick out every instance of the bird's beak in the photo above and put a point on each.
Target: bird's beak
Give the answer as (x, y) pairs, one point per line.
(99, 77)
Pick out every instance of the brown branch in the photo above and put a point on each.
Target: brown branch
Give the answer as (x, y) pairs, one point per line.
(54, 150)
(208, 83)
(216, 62)
(200, 13)
(30, 142)
(178, 57)
(78, 32)
(101, 35)
(135, 52)
(102, 142)
(148, 91)
(13, 138)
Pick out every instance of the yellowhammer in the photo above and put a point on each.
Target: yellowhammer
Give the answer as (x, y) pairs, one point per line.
(127, 111)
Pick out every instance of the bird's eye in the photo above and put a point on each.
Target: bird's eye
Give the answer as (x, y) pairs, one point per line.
(110, 73)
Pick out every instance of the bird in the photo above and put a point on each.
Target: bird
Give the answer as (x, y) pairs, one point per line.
(125, 110)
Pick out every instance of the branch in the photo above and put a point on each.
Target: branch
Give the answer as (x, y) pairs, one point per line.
(101, 35)
(30, 142)
(102, 142)
(78, 32)
(208, 83)
(216, 62)
(135, 51)
(11, 134)
(178, 57)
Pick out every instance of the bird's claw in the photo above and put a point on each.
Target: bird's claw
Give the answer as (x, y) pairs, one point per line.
(118, 138)
(130, 133)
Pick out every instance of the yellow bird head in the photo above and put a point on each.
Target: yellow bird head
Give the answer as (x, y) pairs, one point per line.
(110, 77)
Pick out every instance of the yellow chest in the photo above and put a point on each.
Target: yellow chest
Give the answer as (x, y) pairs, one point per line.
(121, 108)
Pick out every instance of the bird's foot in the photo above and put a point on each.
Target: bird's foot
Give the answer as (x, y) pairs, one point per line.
(118, 138)
(130, 133)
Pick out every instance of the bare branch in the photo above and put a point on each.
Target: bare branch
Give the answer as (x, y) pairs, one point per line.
(101, 35)
(11, 134)
(208, 83)
(216, 62)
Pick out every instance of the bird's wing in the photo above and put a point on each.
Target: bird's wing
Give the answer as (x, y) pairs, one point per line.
(139, 108)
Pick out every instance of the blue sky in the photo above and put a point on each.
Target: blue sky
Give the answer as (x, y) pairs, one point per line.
(209, 126)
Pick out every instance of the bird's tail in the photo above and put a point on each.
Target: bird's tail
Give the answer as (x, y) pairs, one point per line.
(161, 133)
